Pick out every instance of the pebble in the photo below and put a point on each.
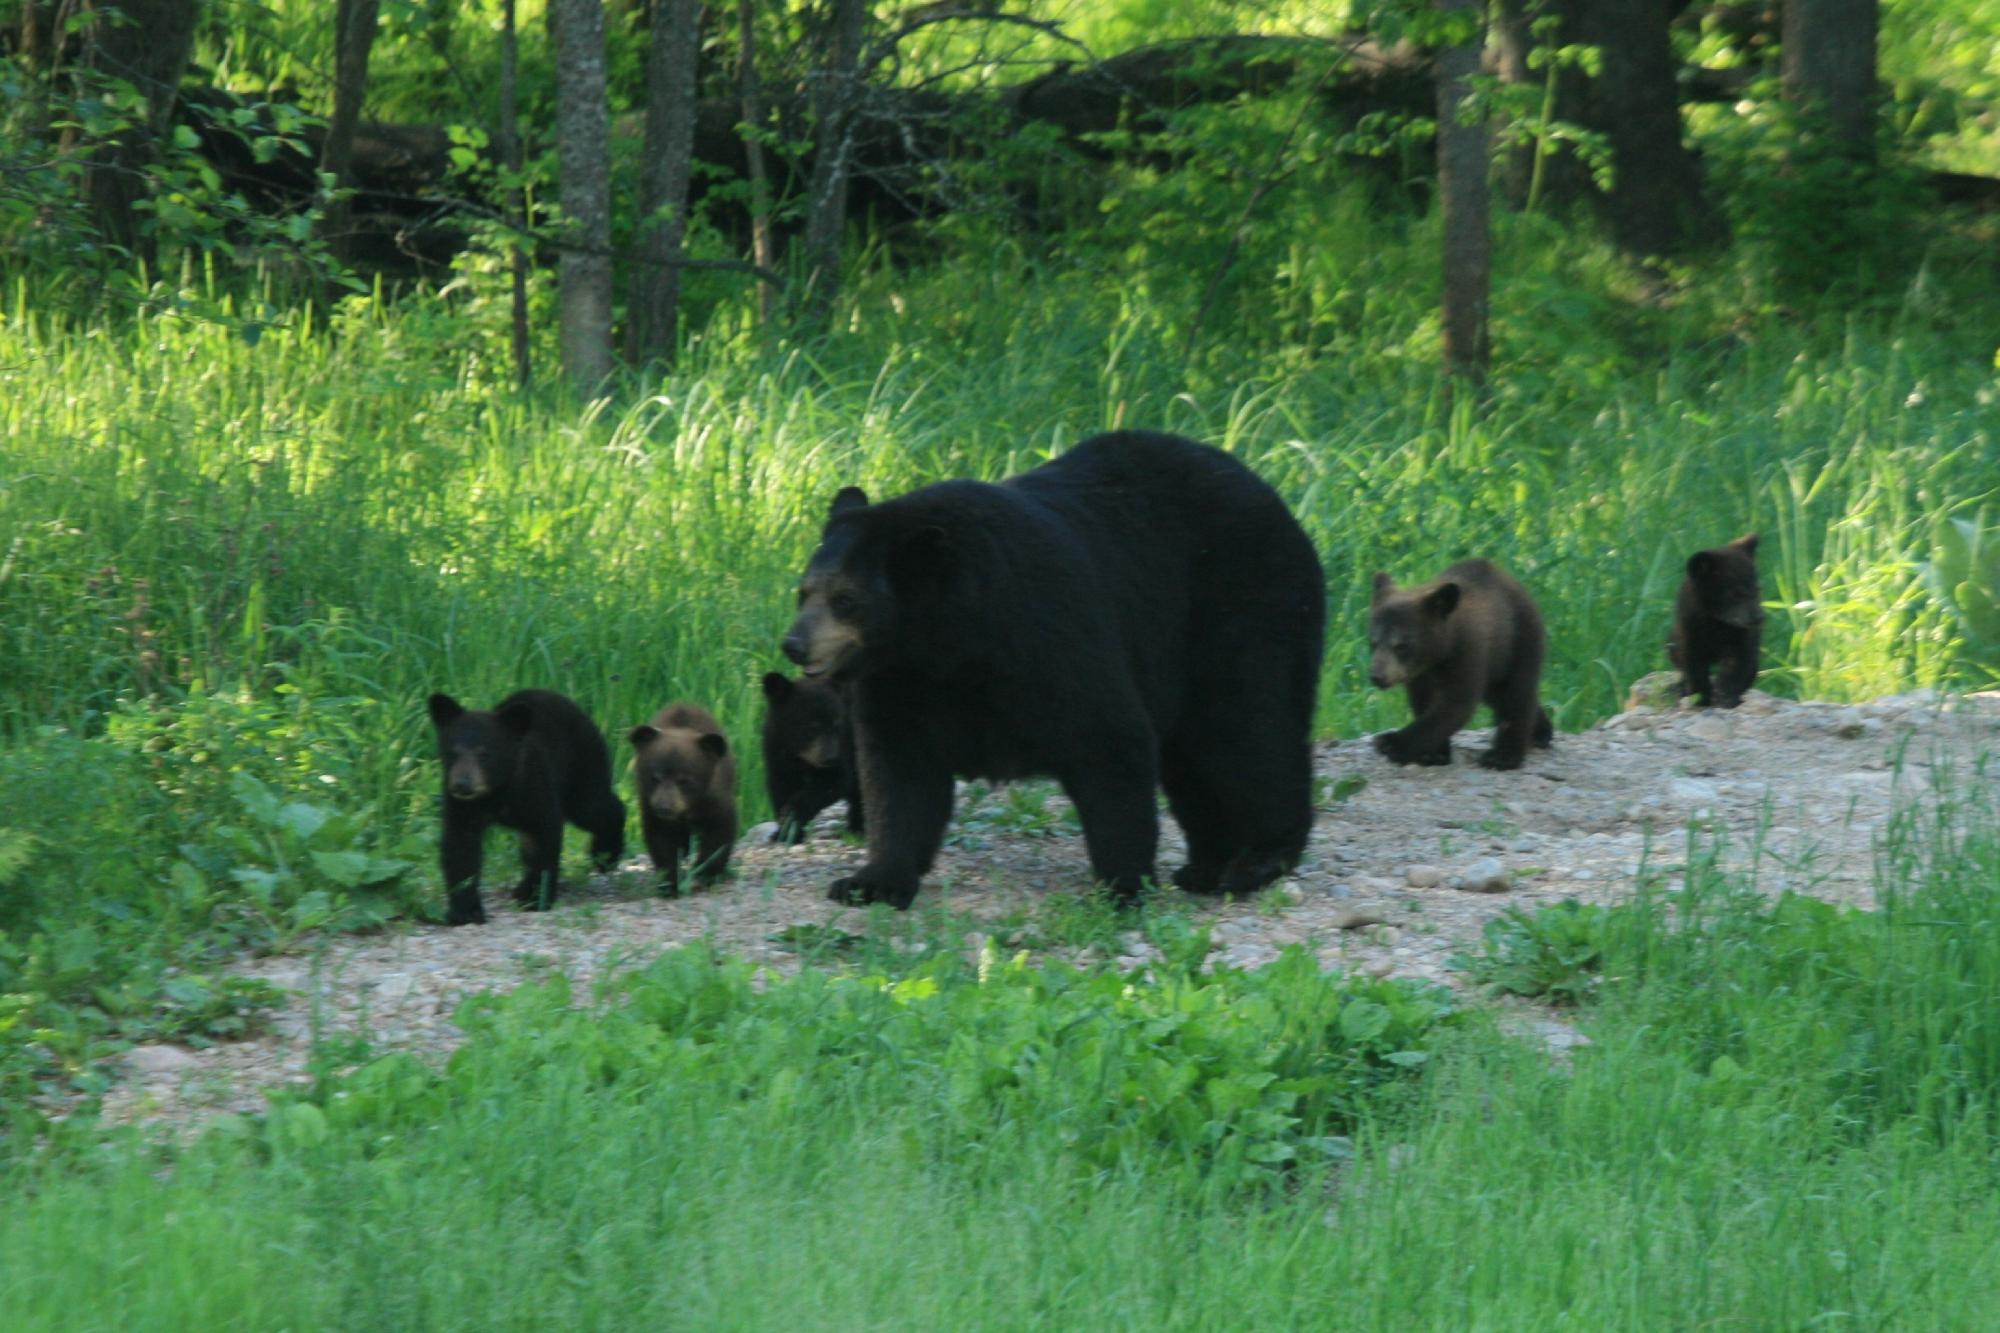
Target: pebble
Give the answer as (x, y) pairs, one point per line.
(154, 1061)
(1423, 876)
(1353, 918)
(394, 987)
(763, 832)
(1709, 729)
(1486, 875)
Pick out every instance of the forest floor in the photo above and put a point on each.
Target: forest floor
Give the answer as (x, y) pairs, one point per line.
(1401, 875)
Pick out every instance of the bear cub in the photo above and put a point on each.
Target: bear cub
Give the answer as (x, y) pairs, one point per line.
(1471, 635)
(1719, 624)
(528, 764)
(808, 755)
(686, 780)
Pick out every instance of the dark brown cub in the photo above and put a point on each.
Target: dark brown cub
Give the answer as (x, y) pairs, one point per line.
(686, 781)
(1472, 635)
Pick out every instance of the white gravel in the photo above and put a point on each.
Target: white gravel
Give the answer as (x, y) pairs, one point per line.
(1795, 792)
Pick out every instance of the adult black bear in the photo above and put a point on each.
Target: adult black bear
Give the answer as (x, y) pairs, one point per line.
(530, 763)
(1719, 623)
(808, 755)
(1142, 612)
(686, 780)
(1470, 635)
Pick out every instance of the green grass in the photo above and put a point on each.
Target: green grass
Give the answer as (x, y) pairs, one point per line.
(1783, 1122)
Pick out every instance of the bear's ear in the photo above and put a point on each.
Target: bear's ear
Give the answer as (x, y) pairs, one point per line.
(1700, 565)
(444, 710)
(712, 742)
(1383, 586)
(778, 687)
(517, 718)
(920, 559)
(642, 734)
(1747, 544)
(1442, 600)
(846, 498)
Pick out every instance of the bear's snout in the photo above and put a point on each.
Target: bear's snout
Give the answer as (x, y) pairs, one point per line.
(794, 648)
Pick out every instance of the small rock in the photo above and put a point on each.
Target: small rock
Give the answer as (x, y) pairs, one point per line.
(1486, 875)
(153, 1061)
(1381, 971)
(1582, 873)
(1693, 791)
(1423, 877)
(1709, 729)
(763, 832)
(1657, 689)
(394, 987)
(1353, 918)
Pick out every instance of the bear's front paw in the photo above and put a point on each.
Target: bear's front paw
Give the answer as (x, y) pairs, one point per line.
(860, 890)
(1203, 877)
(1498, 758)
(1397, 748)
(465, 909)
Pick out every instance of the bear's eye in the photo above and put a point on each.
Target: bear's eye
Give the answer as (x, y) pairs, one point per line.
(843, 605)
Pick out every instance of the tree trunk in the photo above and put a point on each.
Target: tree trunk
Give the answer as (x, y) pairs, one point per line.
(761, 252)
(835, 93)
(1829, 64)
(1658, 204)
(583, 171)
(671, 96)
(1464, 204)
(144, 43)
(354, 26)
(510, 160)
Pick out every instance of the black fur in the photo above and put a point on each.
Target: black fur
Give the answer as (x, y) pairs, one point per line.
(1142, 612)
(1719, 624)
(1470, 636)
(808, 745)
(530, 763)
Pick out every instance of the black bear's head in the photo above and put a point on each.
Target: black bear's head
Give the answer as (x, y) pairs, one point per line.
(806, 764)
(676, 766)
(1407, 629)
(1724, 581)
(478, 748)
(878, 568)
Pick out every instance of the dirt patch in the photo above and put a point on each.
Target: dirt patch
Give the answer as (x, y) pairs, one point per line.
(1401, 874)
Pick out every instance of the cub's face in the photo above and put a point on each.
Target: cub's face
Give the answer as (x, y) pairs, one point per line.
(674, 769)
(478, 748)
(1406, 630)
(1724, 580)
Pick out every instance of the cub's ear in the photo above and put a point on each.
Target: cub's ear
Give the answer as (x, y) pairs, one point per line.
(846, 498)
(1700, 565)
(444, 710)
(712, 742)
(642, 734)
(1442, 600)
(1746, 544)
(1381, 587)
(517, 719)
(778, 687)
(921, 559)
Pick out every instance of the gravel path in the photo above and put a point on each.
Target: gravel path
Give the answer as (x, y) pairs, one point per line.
(1399, 876)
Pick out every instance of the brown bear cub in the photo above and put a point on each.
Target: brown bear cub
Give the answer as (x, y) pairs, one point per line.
(808, 754)
(528, 764)
(687, 792)
(1471, 635)
(1719, 624)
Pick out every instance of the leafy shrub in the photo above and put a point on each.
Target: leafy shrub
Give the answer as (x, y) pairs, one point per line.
(1555, 953)
(1240, 1075)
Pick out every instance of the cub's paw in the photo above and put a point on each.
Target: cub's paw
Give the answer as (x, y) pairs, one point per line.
(533, 898)
(860, 890)
(1397, 748)
(1497, 758)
